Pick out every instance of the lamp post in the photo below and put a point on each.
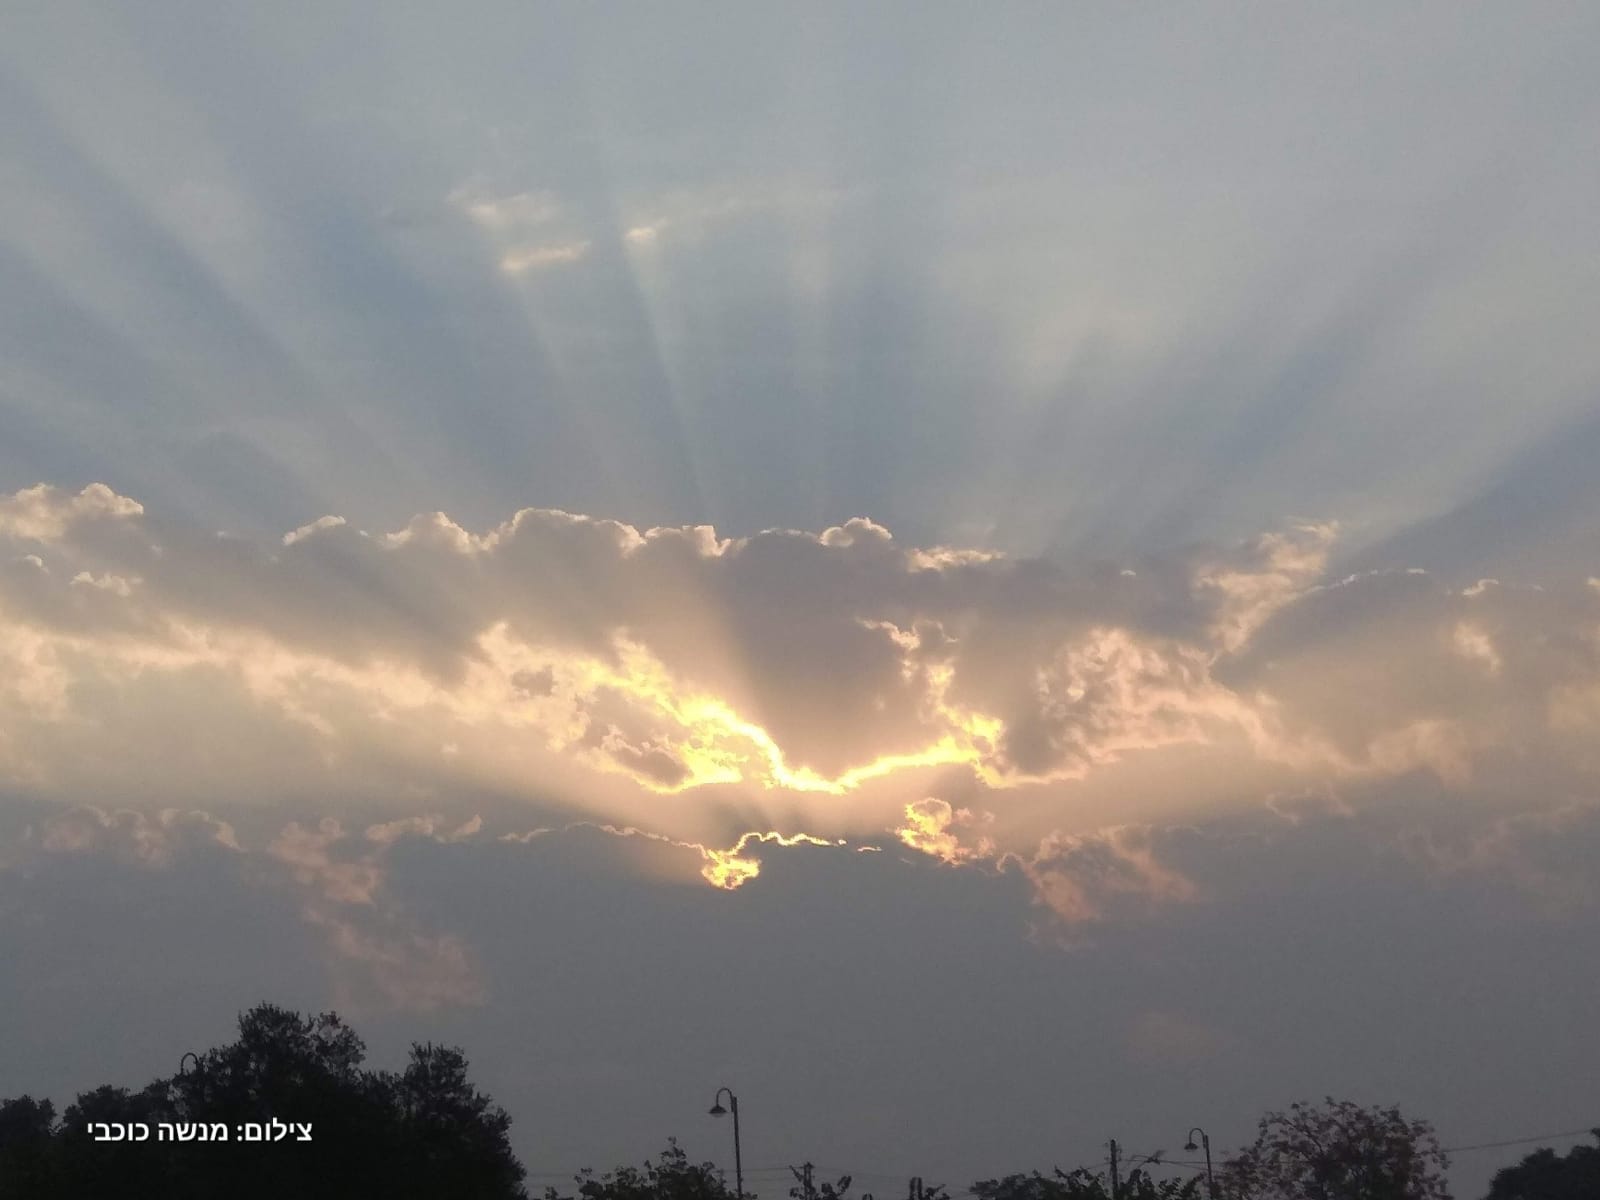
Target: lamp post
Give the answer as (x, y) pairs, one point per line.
(716, 1111)
(1211, 1184)
(183, 1075)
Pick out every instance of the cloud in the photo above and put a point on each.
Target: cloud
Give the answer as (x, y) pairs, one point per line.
(522, 260)
(403, 968)
(835, 685)
(528, 230)
(306, 852)
(1276, 568)
(932, 826)
(305, 531)
(377, 948)
(1547, 854)
(429, 827)
(515, 213)
(1085, 878)
(148, 839)
(46, 513)
(691, 214)
(376, 951)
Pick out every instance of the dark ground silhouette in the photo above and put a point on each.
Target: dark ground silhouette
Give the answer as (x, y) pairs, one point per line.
(424, 1132)
(289, 1110)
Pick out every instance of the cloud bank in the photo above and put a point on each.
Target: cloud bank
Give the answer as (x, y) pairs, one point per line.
(832, 686)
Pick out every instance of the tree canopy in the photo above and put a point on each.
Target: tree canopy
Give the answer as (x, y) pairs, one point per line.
(1338, 1151)
(1543, 1175)
(670, 1177)
(1083, 1184)
(424, 1132)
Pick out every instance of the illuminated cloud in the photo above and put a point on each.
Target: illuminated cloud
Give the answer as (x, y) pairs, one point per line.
(524, 228)
(823, 687)
(1080, 878)
(515, 213)
(930, 828)
(690, 215)
(306, 852)
(523, 259)
(732, 867)
(45, 513)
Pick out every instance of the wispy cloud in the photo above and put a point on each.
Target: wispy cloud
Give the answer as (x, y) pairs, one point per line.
(514, 213)
(530, 231)
(537, 258)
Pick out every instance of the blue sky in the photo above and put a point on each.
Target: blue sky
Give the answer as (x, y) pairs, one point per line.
(1099, 500)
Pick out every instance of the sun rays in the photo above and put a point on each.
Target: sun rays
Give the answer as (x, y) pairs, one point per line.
(723, 695)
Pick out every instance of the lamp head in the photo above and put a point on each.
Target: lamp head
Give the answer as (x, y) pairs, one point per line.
(1190, 1145)
(717, 1110)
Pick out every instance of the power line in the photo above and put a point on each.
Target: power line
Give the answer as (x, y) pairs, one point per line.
(1528, 1141)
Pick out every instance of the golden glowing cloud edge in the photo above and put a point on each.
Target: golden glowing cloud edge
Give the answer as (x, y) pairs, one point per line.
(574, 658)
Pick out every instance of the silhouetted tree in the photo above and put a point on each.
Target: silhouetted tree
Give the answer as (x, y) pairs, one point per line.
(1083, 1184)
(449, 1129)
(921, 1191)
(671, 1177)
(807, 1188)
(1338, 1151)
(84, 1167)
(1544, 1176)
(425, 1132)
(27, 1130)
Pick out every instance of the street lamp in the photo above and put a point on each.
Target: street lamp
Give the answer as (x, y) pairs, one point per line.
(183, 1074)
(1211, 1184)
(716, 1111)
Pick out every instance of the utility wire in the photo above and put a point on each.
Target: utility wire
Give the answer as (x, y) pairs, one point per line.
(1527, 1141)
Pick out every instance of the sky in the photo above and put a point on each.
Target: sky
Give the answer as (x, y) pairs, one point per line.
(988, 580)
